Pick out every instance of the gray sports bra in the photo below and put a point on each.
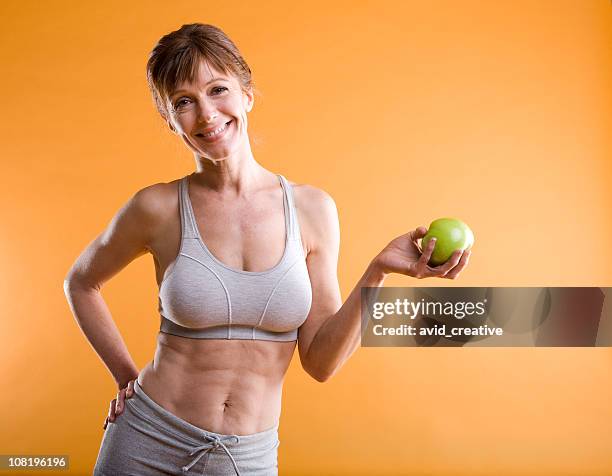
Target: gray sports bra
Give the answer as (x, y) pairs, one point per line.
(202, 298)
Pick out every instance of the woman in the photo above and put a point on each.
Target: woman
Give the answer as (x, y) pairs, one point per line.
(246, 267)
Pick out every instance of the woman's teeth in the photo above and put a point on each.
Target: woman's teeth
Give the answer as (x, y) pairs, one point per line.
(216, 132)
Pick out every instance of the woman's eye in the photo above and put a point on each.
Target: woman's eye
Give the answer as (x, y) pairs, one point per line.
(181, 102)
(184, 101)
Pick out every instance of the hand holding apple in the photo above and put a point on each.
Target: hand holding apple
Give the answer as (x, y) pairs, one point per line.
(451, 235)
(403, 255)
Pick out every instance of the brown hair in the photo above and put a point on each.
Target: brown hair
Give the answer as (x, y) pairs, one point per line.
(177, 56)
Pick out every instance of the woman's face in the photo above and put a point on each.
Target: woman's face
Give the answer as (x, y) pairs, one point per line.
(210, 114)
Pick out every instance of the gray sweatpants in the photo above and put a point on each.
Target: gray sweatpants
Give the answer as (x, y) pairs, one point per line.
(148, 440)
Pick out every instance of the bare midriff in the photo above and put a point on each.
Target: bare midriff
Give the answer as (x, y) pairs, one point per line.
(223, 386)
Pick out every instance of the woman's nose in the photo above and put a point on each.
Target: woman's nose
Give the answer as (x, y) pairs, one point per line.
(206, 114)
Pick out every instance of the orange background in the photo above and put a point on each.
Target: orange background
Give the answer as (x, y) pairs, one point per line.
(496, 112)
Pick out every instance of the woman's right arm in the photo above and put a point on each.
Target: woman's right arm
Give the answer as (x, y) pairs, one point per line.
(127, 237)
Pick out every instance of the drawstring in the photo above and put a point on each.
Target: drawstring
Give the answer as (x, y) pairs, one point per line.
(212, 445)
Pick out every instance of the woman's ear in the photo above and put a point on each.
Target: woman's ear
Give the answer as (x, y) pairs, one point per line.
(249, 100)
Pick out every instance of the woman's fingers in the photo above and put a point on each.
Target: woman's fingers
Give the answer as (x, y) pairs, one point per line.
(447, 267)
(420, 232)
(465, 258)
(451, 268)
(417, 234)
(111, 410)
(130, 389)
(422, 270)
(427, 252)
(118, 404)
(120, 399)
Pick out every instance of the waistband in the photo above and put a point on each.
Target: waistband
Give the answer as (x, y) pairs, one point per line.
(201, 441)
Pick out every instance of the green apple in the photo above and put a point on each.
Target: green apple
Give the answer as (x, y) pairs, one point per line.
(451, 235)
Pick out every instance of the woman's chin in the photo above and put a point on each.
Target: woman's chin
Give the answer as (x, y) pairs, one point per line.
(217, 161)
(215, 158)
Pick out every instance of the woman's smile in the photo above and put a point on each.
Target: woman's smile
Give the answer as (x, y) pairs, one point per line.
(216, 135)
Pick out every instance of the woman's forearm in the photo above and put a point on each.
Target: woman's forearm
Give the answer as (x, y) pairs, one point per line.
(340, 335)
(94, 319)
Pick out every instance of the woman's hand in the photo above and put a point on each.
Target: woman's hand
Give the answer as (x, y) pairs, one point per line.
(404, 256)
(118, 404)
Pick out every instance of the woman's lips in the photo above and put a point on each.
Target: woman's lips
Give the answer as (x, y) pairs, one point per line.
(216, 137)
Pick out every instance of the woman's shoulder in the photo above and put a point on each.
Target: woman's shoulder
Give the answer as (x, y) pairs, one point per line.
(158, 200)
(158, 191)
(309, 196)
(315, 205)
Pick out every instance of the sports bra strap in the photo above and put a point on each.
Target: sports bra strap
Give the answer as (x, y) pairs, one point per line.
(294, 226)
(188, 225)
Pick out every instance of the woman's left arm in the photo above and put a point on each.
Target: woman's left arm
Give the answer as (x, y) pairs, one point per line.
(332, 331)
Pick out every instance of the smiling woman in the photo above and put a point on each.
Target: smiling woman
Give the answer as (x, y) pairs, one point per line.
(209, 110)
(246, 263)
